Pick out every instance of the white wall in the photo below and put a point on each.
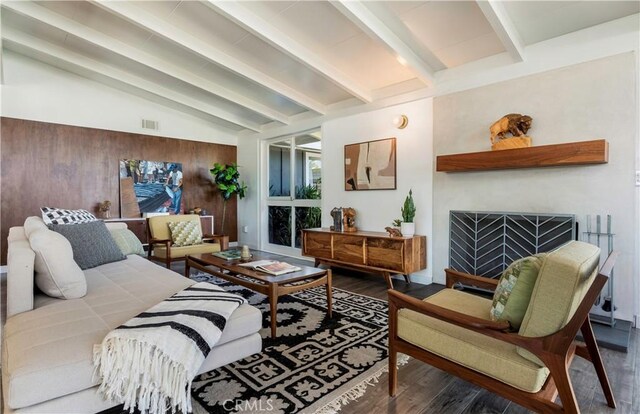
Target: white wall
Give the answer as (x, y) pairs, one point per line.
(36, 91)
(577, 103)
(249, 207)
(376, 209)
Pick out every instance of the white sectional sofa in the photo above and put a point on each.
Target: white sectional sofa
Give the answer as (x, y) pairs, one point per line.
(48, 343)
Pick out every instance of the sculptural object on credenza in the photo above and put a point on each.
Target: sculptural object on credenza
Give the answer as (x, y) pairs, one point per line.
(393, 232)
(105, 209)
(349, 219)
(336, 214)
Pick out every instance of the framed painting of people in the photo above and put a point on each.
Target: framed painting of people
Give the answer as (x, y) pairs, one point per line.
(150, 187)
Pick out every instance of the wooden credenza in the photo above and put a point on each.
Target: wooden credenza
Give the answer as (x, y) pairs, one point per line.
(368, 251)
(139, 226)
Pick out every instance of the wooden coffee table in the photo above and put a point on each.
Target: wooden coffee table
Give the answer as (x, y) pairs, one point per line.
(271, 286)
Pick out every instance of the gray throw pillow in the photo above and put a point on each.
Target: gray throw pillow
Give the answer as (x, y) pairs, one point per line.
(91, 242)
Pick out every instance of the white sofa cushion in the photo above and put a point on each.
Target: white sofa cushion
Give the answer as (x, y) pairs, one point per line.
(51, 347)
(57, 274)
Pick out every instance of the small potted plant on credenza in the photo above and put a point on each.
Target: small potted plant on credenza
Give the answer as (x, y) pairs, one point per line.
(408, 227)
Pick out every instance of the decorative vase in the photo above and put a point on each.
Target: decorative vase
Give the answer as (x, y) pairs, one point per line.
(408, 229)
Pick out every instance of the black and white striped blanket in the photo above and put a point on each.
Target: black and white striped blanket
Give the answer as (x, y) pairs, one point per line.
(149, 362)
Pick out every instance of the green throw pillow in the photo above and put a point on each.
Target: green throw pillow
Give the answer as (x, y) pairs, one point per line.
(185, 233)
(512, 296)
(127, 242)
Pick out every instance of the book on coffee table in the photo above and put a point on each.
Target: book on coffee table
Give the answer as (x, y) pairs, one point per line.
(228, 254)
(272, 267)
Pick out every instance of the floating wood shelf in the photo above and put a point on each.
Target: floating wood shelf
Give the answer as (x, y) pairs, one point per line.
(573, 153)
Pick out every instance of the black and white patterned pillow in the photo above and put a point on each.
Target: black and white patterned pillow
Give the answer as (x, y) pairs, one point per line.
(52, 215)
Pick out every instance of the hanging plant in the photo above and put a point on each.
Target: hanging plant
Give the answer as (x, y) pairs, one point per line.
(226, 178)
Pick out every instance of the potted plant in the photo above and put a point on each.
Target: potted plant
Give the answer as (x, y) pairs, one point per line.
(396, 223)
(408, 227)
(226, 178)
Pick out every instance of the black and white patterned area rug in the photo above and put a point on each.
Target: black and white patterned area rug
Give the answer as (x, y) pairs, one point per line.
(315, 365)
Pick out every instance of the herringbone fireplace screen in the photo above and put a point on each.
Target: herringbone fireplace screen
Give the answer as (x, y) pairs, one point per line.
(484, 244)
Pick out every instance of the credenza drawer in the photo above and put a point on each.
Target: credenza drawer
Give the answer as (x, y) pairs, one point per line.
(348, 248)
(317, 245)
(385, 254)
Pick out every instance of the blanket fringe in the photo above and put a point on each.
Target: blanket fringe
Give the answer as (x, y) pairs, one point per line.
(359, 390)
(149, 381)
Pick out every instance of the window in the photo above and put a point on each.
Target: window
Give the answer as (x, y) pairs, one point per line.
(294, 190)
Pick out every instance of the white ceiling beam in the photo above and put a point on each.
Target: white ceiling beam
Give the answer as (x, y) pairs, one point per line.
(238, 13)
(366, 20)
(392, 20)
(161, 28)
(61, 54)
(502, 24)
(74, 28)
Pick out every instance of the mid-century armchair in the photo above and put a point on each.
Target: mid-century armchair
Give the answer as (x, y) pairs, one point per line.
(452, 331)
(161, 247)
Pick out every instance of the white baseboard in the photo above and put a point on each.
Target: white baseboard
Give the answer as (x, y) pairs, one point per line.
(4, 269)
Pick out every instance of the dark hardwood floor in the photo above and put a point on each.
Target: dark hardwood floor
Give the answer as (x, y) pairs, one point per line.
(423, 389)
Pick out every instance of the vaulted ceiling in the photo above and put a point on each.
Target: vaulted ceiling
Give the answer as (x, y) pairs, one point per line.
(254, 65)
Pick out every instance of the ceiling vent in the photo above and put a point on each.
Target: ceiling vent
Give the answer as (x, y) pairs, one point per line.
(150, 124)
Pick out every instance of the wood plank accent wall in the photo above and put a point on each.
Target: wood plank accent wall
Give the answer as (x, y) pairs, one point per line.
(55, 165)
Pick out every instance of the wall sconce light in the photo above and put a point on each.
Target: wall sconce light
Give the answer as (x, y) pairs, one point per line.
(401, 121)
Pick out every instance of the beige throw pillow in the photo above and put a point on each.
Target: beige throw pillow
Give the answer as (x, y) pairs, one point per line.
(33, 223)
(57, 274)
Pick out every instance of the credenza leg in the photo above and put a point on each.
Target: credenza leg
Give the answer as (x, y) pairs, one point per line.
(387, 277)
(407, 278)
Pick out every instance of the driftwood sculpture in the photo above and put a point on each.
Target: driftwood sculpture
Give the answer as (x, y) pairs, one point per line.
(105, 208)
(393, 232)
(515, 124)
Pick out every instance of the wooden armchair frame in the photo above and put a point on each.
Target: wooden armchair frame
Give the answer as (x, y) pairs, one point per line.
(556, 350)
(216, 238)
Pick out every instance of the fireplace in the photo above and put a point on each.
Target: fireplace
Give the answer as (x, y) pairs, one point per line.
(485, 243)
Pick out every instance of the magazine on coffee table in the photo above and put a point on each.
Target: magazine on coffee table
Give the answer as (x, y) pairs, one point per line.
(272, 267)
(228, 254)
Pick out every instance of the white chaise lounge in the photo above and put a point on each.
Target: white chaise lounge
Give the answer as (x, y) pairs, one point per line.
(48, 343)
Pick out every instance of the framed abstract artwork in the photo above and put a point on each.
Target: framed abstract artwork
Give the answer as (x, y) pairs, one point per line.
(370, 165)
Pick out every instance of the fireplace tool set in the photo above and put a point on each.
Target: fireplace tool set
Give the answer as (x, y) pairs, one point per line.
(604, 308)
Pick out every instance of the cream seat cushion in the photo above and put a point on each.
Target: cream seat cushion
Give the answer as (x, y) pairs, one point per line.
(161, 251)
(481, 353)
(51, 346)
